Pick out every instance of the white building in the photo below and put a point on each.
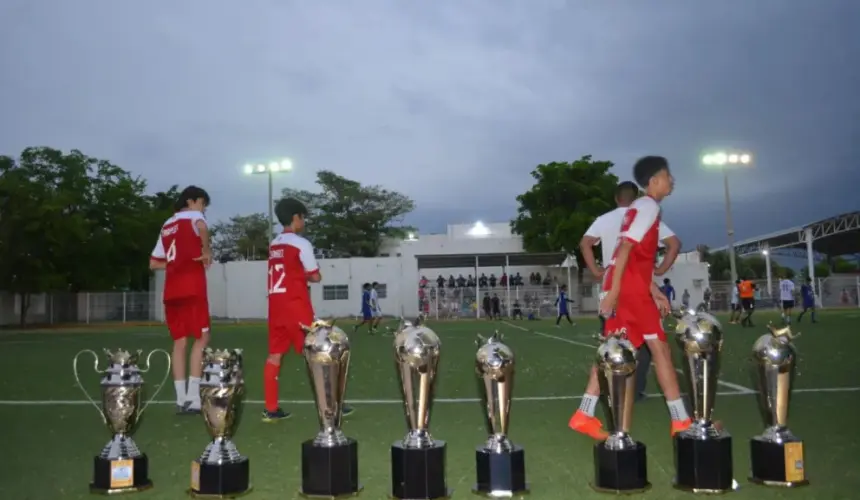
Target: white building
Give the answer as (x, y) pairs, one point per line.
(238, 289)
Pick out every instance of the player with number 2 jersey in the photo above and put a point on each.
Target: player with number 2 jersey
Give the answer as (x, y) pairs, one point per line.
(183, 252)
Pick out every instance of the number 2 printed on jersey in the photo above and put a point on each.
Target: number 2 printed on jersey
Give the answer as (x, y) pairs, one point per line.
(276, 279)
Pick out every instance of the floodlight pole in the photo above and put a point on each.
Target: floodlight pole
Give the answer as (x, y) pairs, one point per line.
(271, 206)
(730, 227)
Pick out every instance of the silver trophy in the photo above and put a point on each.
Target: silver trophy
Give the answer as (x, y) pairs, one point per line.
(620, 461)
(121, 467)
(500, 464)
(330, 460)
(221, 470)
(418, 461)
(700, 337)
(777, 457)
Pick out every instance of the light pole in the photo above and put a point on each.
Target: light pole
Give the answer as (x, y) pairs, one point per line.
(723, 160)
(768, 272)
(270, 169)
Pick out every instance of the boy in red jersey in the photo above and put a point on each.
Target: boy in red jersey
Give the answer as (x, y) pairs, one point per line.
(632, 301)
(292, 265)
(184, 253)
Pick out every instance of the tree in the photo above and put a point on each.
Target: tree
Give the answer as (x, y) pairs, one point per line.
(841, 265)
(242, 237)
(822, 270)
(555, 212)
(72, 222)
(351, 220)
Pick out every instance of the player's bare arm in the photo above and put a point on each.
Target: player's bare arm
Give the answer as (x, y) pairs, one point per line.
(206, 254)
(155, 264)
(314, 277)
(622, 255)
(586, 246)
(673, 248)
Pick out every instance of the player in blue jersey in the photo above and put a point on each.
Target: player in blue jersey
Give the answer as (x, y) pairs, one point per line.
(807, 294)
(366, 309)
(561, 302)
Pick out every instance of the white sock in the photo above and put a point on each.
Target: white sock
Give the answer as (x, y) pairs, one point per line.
(180, 391)
(194, 391)
(588, 404)
(677, 410)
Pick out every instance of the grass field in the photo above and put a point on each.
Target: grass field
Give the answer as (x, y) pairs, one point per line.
(50, 434)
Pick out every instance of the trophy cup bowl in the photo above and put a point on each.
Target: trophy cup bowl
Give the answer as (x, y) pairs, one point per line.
(703, 453)
(620, 463)
(776, 456)
(120, 467)
(330, 460)
(500, 465)
(417, 461)
(221, 471)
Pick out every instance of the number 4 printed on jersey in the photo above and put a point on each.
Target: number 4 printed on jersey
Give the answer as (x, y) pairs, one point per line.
(276, 279)
(171, 252)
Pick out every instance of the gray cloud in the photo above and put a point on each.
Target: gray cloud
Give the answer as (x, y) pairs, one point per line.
(451, 102)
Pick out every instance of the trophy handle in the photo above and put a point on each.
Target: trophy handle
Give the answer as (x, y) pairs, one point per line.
(163, 379)
(81, 386)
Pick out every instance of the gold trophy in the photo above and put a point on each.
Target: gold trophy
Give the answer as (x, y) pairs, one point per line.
(330, 460)
(776, 455)
(620, 464)
(500, 464)
(121, 467)
(703, 453)
(418, 461)
(221, 471)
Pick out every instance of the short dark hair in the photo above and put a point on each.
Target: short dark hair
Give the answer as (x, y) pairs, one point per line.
(191, 193)
(648, 167)
(366, 285)
(375, 284)
(626, 191)
(287, 208)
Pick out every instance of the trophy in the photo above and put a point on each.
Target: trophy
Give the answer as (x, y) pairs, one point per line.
(330, 460)
(417, 462)
(221, 472)
(703, 453)
(776, 455)
(121, 467)
(619, 461)
(500, 464)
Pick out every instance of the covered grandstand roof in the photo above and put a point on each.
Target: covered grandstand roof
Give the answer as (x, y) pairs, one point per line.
(839, 235)
(442, 261)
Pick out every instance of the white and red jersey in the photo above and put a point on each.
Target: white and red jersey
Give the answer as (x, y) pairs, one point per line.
(291, 262)
(606, 229)
(178, 245)
(640, 226)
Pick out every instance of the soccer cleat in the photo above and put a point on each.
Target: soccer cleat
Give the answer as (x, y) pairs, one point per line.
(191, 409)
(180, 408)
(274, 416)
(590, 426)
(347, 410)
(680, 426)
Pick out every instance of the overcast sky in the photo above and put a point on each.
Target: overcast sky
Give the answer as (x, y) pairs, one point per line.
(451, 102)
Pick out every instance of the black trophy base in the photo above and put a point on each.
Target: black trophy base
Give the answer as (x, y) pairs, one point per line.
(777, 464)
(330, 472)
(704, 465)
(113, 477)
(418, 474)
(228, 480)
(501, 474)
(620, 471)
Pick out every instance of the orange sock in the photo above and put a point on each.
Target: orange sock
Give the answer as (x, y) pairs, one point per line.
(270, 385)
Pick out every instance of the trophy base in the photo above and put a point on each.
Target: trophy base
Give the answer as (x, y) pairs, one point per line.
(418, 473)
(620, 471)
(704, 465)
(777, 464)
(501, 475)
(225, 480)
(330, 472)
(114, 477)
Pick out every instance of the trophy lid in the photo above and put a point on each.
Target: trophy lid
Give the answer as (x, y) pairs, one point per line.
(617, 354)
(325, 343)
(775, 348)
(417, 346)
(122, 357)
(493, 358)
(698, 332)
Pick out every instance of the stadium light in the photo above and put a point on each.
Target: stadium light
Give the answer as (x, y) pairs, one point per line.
(724, 160)
(411, 237)
(269, 169)
(479, 229)
(765, 252)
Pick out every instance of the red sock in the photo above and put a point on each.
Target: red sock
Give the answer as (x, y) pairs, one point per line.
(270, 385)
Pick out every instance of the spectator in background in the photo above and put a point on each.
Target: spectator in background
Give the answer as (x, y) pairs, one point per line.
(461, 281)
(451, 282)
(487, 306)
(470, 282)
(492, 281)
(538, 279)
(497, 307)
(483, 282)
(517, 311)
(503, 281)
(517, 280)
(440, 282)
(685, 299)
(531, 278)
(422, 283)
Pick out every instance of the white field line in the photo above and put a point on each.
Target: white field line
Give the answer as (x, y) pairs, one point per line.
(736, 387)
(74, 402)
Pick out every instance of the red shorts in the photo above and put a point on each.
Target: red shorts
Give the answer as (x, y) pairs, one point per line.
(639, 317)
(188, 317)
(286, 331)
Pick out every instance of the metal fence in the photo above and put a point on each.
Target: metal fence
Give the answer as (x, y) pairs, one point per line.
(85, 307)
(468, 302)
(834, 291)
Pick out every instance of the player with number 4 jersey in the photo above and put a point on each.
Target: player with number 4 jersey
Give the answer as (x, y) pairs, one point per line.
(183, 252)
(292, 265)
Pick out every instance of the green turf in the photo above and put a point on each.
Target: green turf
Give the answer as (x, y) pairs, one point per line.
(48, 448)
